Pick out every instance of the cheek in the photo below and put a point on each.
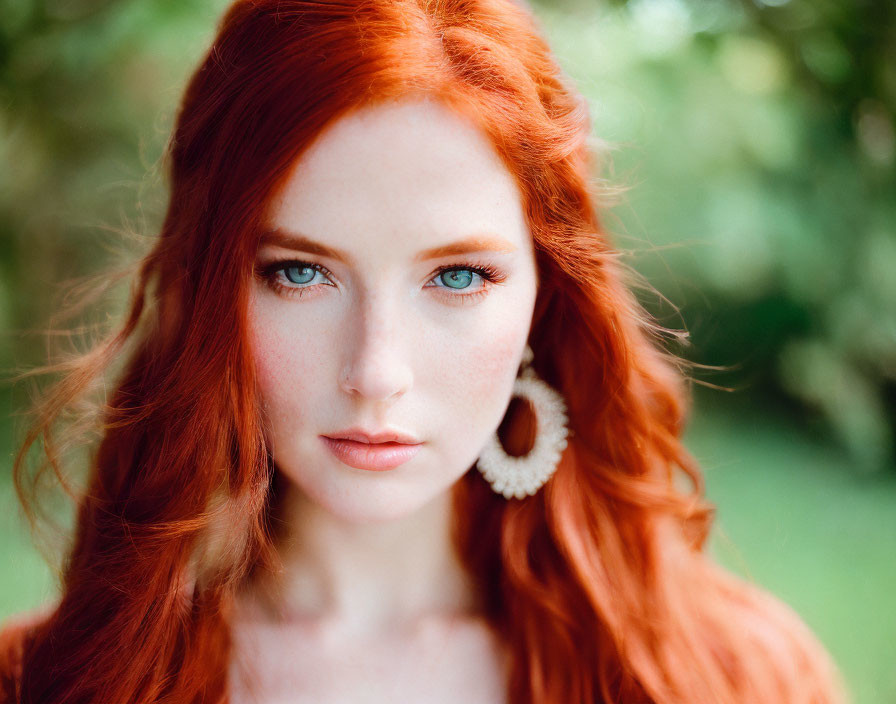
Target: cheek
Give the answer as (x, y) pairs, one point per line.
(480, 378)
(493, 362)
(286, 360)
(495, 354)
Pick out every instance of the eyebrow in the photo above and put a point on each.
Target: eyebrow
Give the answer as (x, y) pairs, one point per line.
(275, 236)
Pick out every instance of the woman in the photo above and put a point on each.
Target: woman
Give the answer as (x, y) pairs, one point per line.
(391, 426)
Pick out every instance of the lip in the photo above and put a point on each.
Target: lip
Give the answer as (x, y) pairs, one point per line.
(361, 435)
(376, 452)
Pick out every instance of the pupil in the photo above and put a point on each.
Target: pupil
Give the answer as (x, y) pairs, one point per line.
(305, 275)
(459, 278)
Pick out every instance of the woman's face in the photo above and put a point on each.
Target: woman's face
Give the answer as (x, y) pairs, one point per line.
(394, 292)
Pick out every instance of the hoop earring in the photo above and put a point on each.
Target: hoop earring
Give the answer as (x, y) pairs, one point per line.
(522, 476)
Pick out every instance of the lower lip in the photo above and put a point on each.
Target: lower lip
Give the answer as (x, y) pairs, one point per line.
(375, 457)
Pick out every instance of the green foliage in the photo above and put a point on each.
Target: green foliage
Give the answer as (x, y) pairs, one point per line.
(88, 91)
(758, 141)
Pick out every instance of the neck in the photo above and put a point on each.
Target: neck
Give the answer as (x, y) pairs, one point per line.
(366, 578)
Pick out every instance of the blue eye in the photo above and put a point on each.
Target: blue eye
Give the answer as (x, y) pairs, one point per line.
(294, 277)
(299, 274)
(457, 278)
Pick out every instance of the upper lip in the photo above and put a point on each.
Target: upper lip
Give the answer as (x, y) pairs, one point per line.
(370, 436)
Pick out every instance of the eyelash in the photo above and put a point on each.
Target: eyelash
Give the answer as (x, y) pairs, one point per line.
(268, 274)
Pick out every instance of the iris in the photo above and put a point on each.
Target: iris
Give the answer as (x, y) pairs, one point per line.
(457, 278)
(305, 275)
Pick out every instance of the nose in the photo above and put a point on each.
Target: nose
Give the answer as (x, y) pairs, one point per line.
(376, 366)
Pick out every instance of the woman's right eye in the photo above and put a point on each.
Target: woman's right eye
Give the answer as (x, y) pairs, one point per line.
(294, 277)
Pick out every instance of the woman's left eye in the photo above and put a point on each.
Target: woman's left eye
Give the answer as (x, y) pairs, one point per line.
(463, 278)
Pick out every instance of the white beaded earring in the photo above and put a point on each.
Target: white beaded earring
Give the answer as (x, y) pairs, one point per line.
(521, 476)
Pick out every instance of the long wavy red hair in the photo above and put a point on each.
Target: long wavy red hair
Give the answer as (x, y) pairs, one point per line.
(598, 584)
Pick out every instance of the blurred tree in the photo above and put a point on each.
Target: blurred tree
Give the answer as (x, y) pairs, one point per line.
(759, 140)
(88, 90)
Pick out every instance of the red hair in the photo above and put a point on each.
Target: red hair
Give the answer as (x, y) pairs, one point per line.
(598, 585)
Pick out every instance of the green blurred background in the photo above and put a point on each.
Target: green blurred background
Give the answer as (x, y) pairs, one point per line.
(755, 141)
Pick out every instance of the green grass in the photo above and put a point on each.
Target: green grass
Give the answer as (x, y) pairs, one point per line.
(792, 516)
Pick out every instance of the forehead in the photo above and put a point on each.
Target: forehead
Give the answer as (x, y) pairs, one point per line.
(410, 174)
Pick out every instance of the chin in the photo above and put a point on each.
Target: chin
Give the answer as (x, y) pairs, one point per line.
(373, 504)
(360, 496)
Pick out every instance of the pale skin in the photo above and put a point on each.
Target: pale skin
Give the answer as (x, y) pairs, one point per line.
(372, 604)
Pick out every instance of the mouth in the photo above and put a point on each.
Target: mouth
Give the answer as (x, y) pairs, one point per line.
(371, 456)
